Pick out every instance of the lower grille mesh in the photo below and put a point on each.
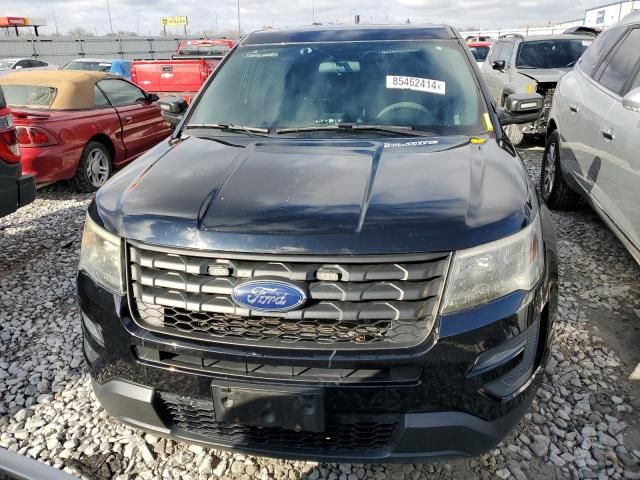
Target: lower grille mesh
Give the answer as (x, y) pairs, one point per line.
(321, 331)
(343, 433)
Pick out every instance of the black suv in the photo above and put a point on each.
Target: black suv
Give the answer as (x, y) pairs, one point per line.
(335, 256)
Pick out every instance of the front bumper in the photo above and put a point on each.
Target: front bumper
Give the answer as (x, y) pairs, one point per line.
(419, 436)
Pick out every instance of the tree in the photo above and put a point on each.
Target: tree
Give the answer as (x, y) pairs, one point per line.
(80, 32)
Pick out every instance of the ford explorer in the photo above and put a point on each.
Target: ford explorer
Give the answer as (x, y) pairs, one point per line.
(338, 255)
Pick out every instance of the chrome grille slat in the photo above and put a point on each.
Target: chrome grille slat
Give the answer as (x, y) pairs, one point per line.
(290, 270)
(348, 292)
(380, 304)
(330, 310)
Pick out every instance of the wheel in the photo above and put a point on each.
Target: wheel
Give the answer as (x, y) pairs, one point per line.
(515, 134)
(555, 191)
(94, 168)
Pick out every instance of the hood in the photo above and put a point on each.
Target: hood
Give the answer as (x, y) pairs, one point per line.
(545, 75)
(318, 196)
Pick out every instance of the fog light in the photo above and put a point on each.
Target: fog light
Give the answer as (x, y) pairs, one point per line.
(93, 329)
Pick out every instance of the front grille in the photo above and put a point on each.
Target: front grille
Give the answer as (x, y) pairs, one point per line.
(383, 304)
(343, 433)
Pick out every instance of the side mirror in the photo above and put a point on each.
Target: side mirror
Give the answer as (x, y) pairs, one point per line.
(18, 67)
(499, 65)
(172, 109)
(521, 108)
(152, 97)
(631, 100)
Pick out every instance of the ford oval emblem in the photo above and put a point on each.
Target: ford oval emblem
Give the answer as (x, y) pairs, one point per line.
(269, 295)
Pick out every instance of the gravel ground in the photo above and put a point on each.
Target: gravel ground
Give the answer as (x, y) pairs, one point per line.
(583, 424)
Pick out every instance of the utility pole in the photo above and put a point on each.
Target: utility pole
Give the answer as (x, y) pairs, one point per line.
(313, 6)
(217, 29)
(109, 13)
(238, 19)
(55, 22)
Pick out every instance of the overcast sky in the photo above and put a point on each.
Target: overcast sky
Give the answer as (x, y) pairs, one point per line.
(143, 16)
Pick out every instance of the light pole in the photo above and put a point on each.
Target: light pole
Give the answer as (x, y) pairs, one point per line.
(313, 6)
(238, 19)
(109, 13)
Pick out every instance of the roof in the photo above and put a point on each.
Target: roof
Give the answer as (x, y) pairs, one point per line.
(558, 36)
(91, 60)
(74, 88)
(479, 44)
(349, 33)
(631, 18)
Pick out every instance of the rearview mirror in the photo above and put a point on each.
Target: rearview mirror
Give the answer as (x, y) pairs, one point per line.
(172, 109)
(631, 100)
(499, 65)
(521, 108)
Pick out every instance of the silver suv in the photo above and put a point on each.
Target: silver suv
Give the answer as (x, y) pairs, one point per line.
(593, 145)
(518, 64)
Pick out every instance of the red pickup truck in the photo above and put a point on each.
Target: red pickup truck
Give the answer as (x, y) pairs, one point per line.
(185, 73)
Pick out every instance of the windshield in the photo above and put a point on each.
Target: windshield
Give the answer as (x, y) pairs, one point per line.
(550, 53)
(204, 50)
(7, 64)
(37, 96)
(427, 85)
(88, 65)
(480, 53)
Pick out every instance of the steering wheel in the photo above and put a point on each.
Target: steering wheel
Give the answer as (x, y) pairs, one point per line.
(416, 107)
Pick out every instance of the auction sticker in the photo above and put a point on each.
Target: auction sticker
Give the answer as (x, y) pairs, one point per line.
(417, 84)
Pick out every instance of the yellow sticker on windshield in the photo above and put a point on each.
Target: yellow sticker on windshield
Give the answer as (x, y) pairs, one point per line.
(488, 124)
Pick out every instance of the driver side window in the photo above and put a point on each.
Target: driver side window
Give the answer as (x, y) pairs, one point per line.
(495, 52)
(505, 54)
(121, 93)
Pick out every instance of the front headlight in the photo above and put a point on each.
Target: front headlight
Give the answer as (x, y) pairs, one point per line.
(101, 257)
(488, 272)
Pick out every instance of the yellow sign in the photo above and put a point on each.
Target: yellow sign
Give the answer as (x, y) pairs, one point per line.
(173, 21)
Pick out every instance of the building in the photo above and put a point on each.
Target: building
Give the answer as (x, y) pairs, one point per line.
(606, 15)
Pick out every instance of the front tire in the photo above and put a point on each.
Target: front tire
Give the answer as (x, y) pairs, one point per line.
(515, 134)
(555, 191)
(94, 168)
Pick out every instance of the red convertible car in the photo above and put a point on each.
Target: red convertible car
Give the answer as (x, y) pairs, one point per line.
(80, 125)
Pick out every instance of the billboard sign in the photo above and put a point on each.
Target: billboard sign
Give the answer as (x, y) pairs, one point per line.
(173, 21)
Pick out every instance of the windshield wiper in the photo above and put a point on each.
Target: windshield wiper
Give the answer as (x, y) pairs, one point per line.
(351, 127)
(255, 131)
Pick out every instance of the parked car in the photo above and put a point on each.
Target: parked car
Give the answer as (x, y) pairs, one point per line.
(520, 64)
(592, 138)
(16, 189)
(80, 125)
(480, 51)
(117, 67)
(11, 64)
(185, 73)
(272, 278)
(584, 30)
(478, 38)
